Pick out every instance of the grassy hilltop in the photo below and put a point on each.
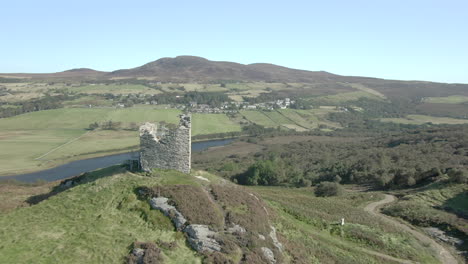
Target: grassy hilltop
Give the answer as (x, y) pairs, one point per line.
(99, 219)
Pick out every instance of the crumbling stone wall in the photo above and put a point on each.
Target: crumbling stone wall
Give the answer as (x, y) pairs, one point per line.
(166, 148)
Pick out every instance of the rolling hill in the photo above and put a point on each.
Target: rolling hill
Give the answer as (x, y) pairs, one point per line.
(191, 69)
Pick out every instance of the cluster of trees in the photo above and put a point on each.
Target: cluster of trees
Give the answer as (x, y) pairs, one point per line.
(113, 125)
(328, 189)
(300, 103)
(214, 99)
(403, 160)
(397, 107)
(45, 103)
(10, 80)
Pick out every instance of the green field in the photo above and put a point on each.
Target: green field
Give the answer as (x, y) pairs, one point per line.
(422, 119)
(86, 100)
(303, 118)
(114, 89)
(62, 132)
(345, 97)
(258, 117)
(453, 99)
(295, 119)
(212, 123)
(94, 222)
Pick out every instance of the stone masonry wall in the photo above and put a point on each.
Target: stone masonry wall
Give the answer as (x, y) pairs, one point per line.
(166, 148)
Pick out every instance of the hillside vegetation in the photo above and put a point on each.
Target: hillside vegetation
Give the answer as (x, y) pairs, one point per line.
(443, 204)
(95, 222)
(403, 159)
(104, 213)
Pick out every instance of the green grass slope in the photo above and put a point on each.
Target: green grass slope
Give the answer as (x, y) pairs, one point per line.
(453, 99)
(94, 222)
(97, 221)
(440, 204)
(422, 119)
(310, 225)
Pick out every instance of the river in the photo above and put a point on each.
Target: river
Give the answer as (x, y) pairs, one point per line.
(80, 166)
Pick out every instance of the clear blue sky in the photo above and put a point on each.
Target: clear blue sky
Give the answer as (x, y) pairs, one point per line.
(395, 39)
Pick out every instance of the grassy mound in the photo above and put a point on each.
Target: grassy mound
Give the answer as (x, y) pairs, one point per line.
(106, 214)
(240, 218)
(94, 222)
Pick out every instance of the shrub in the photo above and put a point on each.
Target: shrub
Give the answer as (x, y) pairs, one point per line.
(325, 189)
(151, 255)
(458, 176)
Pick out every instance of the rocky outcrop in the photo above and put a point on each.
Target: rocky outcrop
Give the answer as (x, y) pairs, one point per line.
(144, 253)
(201, 238)
(269, 255)
(161, 203)
(236, 229)
(166, 148)
(273, 237)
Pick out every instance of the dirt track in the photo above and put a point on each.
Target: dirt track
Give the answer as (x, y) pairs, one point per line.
(442, 254)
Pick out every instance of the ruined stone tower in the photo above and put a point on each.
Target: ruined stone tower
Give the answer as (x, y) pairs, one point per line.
(165, 148)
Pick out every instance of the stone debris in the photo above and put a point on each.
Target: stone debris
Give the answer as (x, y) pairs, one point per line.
(442, 236)
(139, 253)
(68, 184)
(269, 255)
(276, 242)
(201, 238)
(236, 229)
(161, 203)
(262, 237)
(166, 148)
(202, 178)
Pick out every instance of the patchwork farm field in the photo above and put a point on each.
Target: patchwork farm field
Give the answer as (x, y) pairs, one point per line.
(43, 139)
(213, 123)
(114, 89)
(422, 119)
(345, 97)
(258, 117)
(454, 99)
(299, 120)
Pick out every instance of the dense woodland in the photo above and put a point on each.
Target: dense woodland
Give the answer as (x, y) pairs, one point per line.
(399, 160)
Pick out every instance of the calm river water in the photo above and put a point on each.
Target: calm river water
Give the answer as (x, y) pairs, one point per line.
(80, 166)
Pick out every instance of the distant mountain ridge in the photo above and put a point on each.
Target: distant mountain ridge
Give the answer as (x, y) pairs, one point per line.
(187, 69)
(191, 68)
(194, 69)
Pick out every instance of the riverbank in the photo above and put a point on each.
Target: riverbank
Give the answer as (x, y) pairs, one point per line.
(77, 167)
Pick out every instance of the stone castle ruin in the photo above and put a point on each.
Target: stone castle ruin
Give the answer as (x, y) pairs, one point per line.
(165, 148)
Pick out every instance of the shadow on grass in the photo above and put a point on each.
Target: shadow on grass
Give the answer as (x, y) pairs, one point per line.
(77, 180)
(458, 205)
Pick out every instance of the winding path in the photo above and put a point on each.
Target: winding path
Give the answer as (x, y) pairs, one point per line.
(442, 254)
